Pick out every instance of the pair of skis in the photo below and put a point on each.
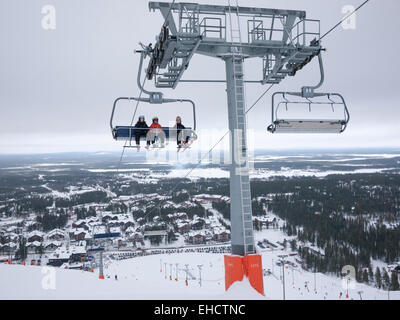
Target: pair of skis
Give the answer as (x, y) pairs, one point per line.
(148, 148)
(181, 148)
(184, 146)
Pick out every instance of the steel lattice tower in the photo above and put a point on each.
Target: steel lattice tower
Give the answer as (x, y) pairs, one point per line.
(284, 40)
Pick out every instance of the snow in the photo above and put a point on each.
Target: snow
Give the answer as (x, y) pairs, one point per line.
(287, 172)
(218, 173)
(77, 190)
(57, 164)
(117, 170)
(140, 278)
(9, 222)
(242, 291)
(197, 173)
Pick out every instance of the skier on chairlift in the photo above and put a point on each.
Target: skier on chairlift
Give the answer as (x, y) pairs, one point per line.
(179, 127)
(155, 128)
(141, 129)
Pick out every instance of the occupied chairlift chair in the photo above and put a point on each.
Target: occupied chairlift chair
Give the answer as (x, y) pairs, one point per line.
(165, 134)
(127, 133)
(308, 97)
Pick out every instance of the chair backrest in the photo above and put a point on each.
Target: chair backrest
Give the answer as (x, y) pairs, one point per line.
(128, 132)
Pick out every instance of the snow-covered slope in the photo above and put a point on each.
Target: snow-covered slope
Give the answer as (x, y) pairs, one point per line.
(140, 278)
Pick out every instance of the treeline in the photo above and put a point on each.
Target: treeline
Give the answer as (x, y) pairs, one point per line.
(117, 208)
(224, 208)
(83, 213)
(83, 198)
(335, 258)
(321, 229)
(35, 204)
(52, 221)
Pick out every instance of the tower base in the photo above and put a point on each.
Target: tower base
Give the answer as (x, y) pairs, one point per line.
(236, 267)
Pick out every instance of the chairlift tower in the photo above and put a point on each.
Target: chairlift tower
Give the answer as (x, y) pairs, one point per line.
(101, 236)
(283, 40)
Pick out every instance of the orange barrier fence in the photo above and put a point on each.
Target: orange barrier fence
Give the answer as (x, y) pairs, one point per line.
(250, 266)
(233, 270)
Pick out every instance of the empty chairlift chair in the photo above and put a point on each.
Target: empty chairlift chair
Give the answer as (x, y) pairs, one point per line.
(289, 101)
(312, 103)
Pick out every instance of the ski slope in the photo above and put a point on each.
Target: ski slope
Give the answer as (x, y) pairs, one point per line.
(140, 278)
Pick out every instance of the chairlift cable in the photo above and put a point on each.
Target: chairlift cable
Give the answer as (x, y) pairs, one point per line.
(208, 152)
(344, 19)
(249, 109)
(226, 133)
(264, 93)
(140, 95)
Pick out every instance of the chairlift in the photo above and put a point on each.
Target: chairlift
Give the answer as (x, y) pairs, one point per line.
(313, 100)
(158, 137)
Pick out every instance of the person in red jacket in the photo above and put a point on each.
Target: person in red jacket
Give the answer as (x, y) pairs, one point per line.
(155, 124)
(156, 131)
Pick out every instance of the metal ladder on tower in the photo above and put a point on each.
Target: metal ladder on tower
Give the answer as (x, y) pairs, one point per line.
(240, 98)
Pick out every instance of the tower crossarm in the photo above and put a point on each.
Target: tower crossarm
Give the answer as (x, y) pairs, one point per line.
(215, 9)
(285, 39)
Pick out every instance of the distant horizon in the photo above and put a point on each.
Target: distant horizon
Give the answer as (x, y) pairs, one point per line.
(59, 97)
(257, 150)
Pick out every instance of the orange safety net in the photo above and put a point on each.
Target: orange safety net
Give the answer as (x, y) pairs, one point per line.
(233, 270)
(250, 266)
(254, 273)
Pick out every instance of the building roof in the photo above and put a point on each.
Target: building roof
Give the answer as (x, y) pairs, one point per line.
(65, 253)
(56, 232)
(33, 244)
(35, 233)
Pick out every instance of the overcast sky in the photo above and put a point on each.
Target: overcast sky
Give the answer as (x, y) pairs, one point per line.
(57, 86)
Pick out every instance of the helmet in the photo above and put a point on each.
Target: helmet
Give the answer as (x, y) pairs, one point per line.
(141, 117)
(178, 118)
(155, 118)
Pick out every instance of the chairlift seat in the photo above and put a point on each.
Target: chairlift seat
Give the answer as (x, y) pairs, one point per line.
(167, 134)
(128, 132)
(281, 123)
(307, 126)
